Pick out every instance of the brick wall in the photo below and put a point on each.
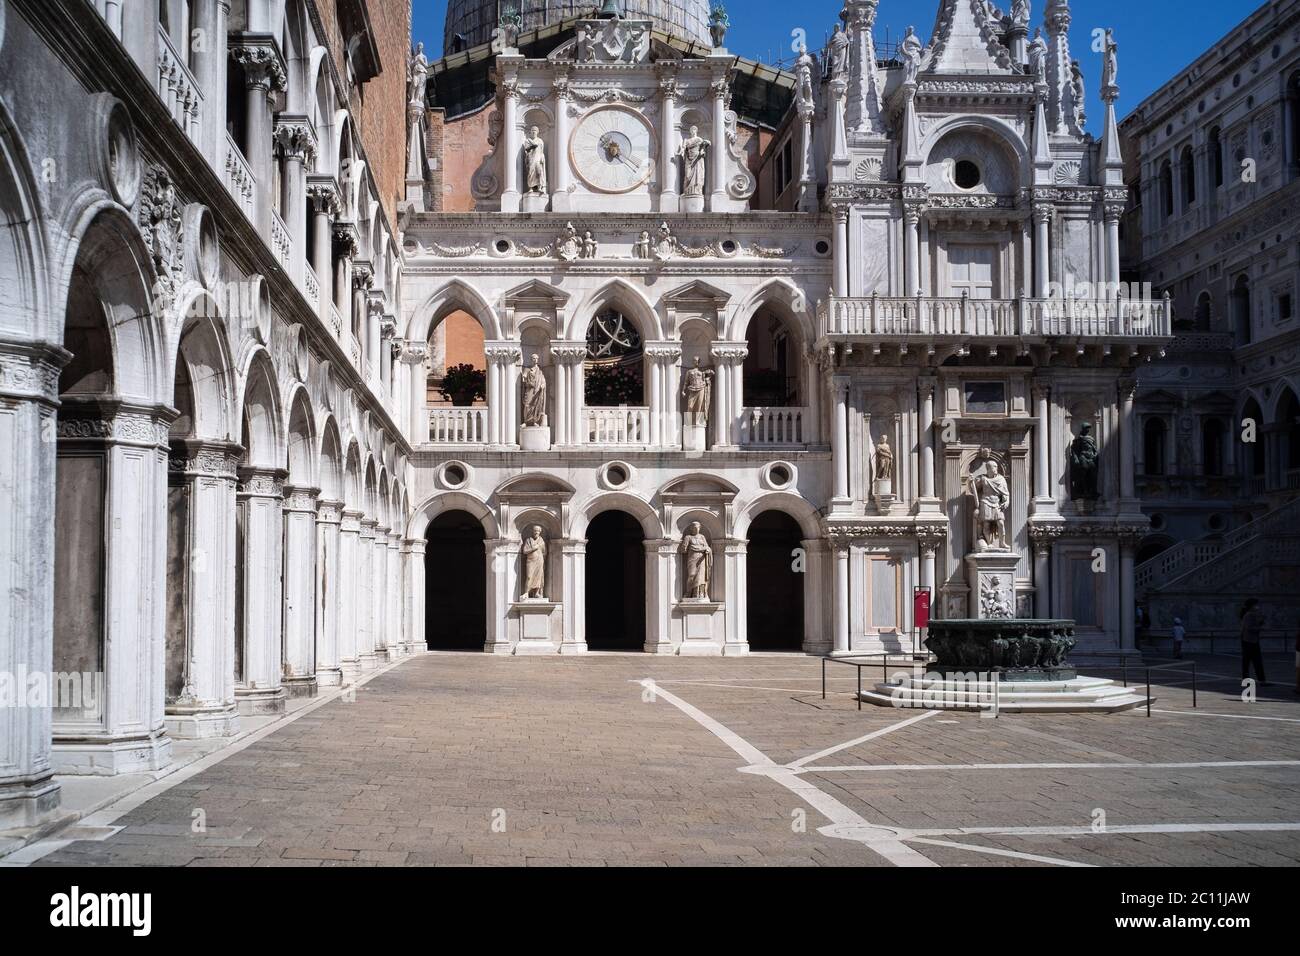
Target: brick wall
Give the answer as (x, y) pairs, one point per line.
(456, 150)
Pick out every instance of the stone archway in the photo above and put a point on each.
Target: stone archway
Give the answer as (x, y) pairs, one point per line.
(455, 582)
(774, 586)
(615, 612)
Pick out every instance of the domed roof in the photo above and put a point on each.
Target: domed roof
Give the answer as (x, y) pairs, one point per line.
(474, 20)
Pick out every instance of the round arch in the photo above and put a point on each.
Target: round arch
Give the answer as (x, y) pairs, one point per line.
(798, 508)
(637, 507)
(204, 388)
(446, 501)
(998, 128)
(260, 414)
(331, 462)
(23, 256)
(301, 441)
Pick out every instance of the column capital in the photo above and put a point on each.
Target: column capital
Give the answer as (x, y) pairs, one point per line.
(570, 353)
(1041, 392)
(350, 521)
(414, 545)
(113, 421)
(31, 369)
(261, 482)
(259, 55)
(323, 191)
(201, 458)
(329, 511)
(299, 499)
(1127, 389)
(295, 138)
(501, 352)
(729, 353)
(363, 274)
(346, 239)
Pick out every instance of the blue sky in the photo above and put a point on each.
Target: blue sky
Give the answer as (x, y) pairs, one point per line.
(1157, 38)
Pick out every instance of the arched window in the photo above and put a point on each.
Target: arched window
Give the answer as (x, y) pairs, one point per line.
(1166, 190)
(1187, 169)
(1213, 432)
(614, 374)
(1288, 423)
(1153, 447)
(1215, 156)
(1204, 311)
(1240, 307)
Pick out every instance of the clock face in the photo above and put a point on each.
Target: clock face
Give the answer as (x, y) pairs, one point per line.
(613, 150)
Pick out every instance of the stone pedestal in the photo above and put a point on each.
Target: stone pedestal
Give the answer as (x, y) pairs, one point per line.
(535, 438)
(694, 438)
(699, 634)
(991, 576)
(534, 202)
(538, 627)
(692, 204)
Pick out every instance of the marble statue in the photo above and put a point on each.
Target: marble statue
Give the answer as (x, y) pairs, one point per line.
(910, 48)
(1020, 12)
(839, 52)
(642, 248)
(1083, 465)
(568, 246)
(1110, 61)
(534, 554)
(697, 564)
(584, 52)
(589, 247)
(995, 602)
(532, 382)
(1080, 100)
(418, 74)
(803, 69)
(694, 154)
(697, 386)
(992, 499)
(884, 460)
(666, 244)
(1038, 55)
(535, 162)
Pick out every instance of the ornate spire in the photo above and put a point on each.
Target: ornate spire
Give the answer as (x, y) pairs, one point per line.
(865, 85)
(1064, 81)
(966, 39)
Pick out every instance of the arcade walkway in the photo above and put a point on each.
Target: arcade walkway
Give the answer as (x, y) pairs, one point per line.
(467, 758)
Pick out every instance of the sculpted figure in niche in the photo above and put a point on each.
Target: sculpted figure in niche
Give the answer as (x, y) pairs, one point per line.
(884, 460)
(697, 387)
(642, 248)
(697, 563)
(535, 161)
(534, 553)
(533, 384)
(694, 154)
(589, 247)
(1083, 465)
(992, 498)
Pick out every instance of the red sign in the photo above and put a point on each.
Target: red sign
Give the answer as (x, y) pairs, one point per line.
(920, 607)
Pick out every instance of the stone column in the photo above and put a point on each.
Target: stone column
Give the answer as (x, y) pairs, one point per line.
(839, 442)
(29, 390)
(363, 277)
(928, 500)
(413, 605)
(573, 557)
(1044, 500)
(736, 637)
(264, 73)
(840, 597)
(201, 690)
(1113, 211)
(510, 143)
(1042, 252)
(260, 498)
(661, 562)
(379, 593)
(841, 245)
(300, 552)
(669, 201)
(912, 252)
(329, 673)
(209, 62)
(816, 626)
(559, 157)
(366, 594)
(929, 548)
(324, 200)
(1127, 390)
(1042, 577)
(1127, 598)
(720, 91)
(347, 594)
(294, 139)
(393, 615)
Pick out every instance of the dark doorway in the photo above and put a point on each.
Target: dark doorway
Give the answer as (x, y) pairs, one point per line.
(773, 585)
(616, 609)
(455, 575)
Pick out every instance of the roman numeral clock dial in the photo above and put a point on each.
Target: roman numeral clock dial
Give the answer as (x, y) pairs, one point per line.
(613, 150)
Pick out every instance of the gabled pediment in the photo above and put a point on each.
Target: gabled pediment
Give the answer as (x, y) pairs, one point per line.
(536, 292)
(697, 292)
(966, 40)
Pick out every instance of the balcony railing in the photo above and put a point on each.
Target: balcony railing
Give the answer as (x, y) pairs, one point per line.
(280, 242)
(239, 177)
(310, 286)
(618, 426)
(178, 88)
(458, 426)
(354, 351)
(335, 319)
(962, 317)
(775, 426)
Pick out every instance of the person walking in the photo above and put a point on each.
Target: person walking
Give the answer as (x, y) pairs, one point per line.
(1252, 626)
(1180, 634)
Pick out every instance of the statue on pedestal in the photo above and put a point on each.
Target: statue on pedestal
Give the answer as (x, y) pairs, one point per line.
(534, 554)
(418, 74)
(1083, 465)
(1038, 56)
(697, 387)
(992, 498)
(533, 384)
(694, 154)
(697, 564)
(839, 52)
(1110, 61)
(910, 48)
(884, 460)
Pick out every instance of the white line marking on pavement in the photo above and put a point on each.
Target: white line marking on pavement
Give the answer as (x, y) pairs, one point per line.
(845, 823)
(1200, 765)
(700, 683)
(795, 764)
(1086, 830)
(105, 817)
(1204, 713)
(997, 851)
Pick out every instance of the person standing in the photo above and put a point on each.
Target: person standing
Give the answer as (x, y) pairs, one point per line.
(1180, 634)
(1252, 627)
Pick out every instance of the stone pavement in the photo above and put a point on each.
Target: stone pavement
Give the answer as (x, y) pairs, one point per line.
(475, 759)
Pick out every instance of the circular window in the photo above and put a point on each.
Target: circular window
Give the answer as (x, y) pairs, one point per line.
(823, 247)
(616, 475)
(966, 174)
(454, 475)
(780, 475)
(503, 246)
(729, 246)
(1216, 522)
(1157, 522)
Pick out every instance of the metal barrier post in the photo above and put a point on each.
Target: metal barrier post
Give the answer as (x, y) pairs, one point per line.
(859, 670)
(1193, 685)
(823, 678)
(1148, 692)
